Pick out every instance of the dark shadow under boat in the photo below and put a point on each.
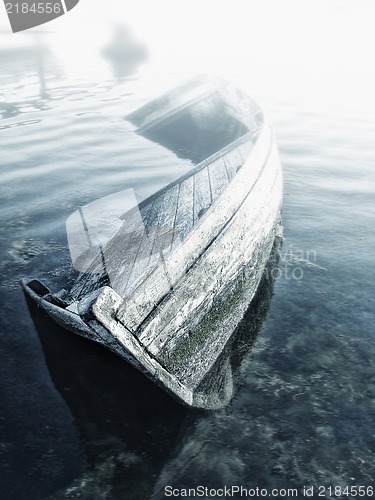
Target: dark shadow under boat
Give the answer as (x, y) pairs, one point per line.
(127, 425)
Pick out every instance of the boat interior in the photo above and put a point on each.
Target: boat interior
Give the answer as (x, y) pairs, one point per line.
(203, 128)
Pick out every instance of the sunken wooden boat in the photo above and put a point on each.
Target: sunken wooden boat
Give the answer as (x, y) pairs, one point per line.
(151, 293)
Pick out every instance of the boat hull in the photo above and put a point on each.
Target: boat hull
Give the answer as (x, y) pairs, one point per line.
(175, 324)
(176, 347)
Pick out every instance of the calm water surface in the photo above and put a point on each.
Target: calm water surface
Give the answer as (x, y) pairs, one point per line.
(76, 422)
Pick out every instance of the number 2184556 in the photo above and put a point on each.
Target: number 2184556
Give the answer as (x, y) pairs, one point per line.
(34, 8)
(348, 491)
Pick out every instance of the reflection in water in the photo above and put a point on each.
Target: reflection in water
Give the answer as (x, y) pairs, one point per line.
(20, 62)
(8, 109)
(136, 438)
(25, 72)
(124, 53)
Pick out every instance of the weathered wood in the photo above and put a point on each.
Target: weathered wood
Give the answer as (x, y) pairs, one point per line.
(120, 259)
(184, 219)
(125, 282)
(156, 230)
(219, 179)
(157, 243)
(164, 224)
(233, 162)
(121, 253)
(188, 356)
(202, 194)
(158, 284)
(178, 257)
(208, 229)
(220, 263)
(163, 277)
(114, 260)
(109, 301)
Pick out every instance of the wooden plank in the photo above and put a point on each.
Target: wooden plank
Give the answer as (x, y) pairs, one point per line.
(161, 227)
(191, 248)
(139, 266)
(109, 256)
(128, 347)
(184, 352)
(164, 231)
(233, 162)
(139, 244)
(151, 290)
(141, 257)
(202, 193)
(88, 281)
(184, 219)
(155, 243)
(114, 260)
(240, 242)
(219, 179)
(123, 249)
